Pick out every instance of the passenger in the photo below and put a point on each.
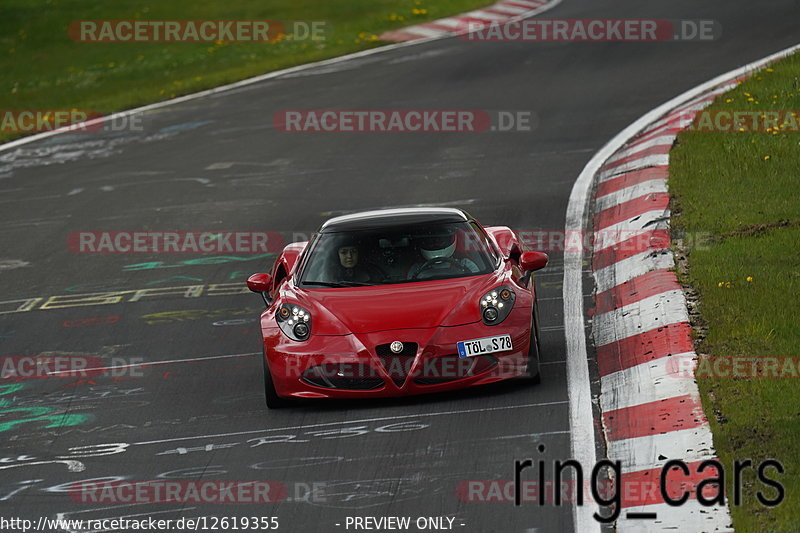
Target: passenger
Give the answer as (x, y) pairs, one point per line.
(350, 270)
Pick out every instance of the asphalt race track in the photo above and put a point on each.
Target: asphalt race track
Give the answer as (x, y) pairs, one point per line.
(217, 163)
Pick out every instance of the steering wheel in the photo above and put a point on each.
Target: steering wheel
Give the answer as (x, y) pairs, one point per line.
(375, 272)
(430, 263)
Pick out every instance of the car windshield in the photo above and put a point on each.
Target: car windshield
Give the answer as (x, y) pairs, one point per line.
(397, 255)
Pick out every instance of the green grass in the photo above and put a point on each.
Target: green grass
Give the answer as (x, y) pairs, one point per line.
(42, 68)
(744, 189)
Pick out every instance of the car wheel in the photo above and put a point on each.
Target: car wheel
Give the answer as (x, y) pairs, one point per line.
(533, 373)
(273, 400)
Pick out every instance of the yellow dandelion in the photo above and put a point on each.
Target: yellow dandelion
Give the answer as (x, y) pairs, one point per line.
(749, 279)
(720, 284)
(766, 157)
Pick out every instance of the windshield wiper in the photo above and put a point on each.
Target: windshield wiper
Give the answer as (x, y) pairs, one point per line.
(337, 283)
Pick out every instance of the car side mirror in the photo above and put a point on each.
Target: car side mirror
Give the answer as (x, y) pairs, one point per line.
(530, 261)
(260, 283)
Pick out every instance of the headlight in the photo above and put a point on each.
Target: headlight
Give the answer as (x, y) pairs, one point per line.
(294, 321)
(496, 305)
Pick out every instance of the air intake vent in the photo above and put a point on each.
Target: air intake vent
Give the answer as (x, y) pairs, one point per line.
(345, 376)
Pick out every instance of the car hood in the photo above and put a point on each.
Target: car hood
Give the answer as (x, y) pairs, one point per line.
(425, 304)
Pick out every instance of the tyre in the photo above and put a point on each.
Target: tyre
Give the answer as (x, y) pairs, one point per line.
(533, 373)
(273, 400)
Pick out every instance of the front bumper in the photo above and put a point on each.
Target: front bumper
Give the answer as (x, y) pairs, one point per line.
(361, 365)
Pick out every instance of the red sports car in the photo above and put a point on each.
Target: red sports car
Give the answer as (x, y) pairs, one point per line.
(397, 302)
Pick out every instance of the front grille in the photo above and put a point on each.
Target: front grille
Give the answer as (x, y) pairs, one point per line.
(452, 367)
(397, 365)
(409, 350)
(347, 376)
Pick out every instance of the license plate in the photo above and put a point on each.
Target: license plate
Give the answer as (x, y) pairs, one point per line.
(500, 343)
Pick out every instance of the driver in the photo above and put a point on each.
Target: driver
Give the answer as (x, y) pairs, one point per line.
(437, 249)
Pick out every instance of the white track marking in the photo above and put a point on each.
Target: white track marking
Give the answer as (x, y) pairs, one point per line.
(653, 451)
(647, 314)
(512, 10)
(72, 466)
(661, 140)
(154, 363)
(628, 229)
(449, 22)
(688, 517)
(581, 418)
(679, 113)
(650, 382)
(531, 3)
(485, 15)
(609, 277)
(360, 421)
(426, 32)
(636, 146)
(637, 164)
(629, 193)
